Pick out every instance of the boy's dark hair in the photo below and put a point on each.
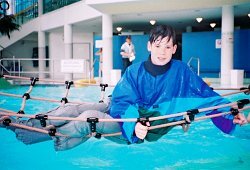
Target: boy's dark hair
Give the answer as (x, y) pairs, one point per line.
(162, 31)
(128, 37)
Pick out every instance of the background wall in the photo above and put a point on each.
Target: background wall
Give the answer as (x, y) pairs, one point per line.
(21, 49)
(194, 44)
(140, 43)
(202, 45)
(82, 43)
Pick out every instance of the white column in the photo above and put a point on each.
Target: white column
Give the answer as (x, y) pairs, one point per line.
(41, 54)
(68, 47)
(107, 35)
(40, 7)
(227, 38)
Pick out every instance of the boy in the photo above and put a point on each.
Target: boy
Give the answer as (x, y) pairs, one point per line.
(162, 86)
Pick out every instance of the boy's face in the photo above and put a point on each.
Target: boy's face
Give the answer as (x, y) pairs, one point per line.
(128, 40)
(161, 51)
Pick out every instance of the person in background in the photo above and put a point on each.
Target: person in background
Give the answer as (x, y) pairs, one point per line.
(127, 53)
(99, 53)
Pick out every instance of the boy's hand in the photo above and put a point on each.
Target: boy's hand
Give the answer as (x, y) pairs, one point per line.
(141, 130)
(240, 119)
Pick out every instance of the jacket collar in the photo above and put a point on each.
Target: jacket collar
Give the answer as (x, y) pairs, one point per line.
(156, 70)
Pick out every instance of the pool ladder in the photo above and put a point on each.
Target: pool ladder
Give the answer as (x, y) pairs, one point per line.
(198, 63)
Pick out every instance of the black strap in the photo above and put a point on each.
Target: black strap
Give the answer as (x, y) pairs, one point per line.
(191, 115)
(244, 88)
(42, 119)
(98, 135)
(65, 100)
(92, 122)
(143, 120)
(242, 103)
(68, 84)
(33, 80)
(103, 86)
(234, 111)
(6, 121)
(52, 131)
(27, 96)
(20, 112)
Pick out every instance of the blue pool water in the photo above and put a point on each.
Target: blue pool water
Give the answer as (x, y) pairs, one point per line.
(202, 147)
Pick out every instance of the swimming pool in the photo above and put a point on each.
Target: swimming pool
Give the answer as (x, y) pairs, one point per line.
(202, 147)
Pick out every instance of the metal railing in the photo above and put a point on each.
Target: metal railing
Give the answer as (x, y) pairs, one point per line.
(25, 67)
(51, 5)
(26, 11)
(6, 53)
(198, 64)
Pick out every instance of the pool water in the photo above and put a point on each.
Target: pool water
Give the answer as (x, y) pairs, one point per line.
(202, 147)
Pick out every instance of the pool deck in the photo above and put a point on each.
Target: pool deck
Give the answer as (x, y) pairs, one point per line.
(215, 82)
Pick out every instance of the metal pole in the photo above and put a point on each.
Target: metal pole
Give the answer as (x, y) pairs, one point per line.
(19, 67)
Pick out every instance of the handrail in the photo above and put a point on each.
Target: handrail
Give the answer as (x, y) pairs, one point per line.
(19, 71)
(18, 66)
(6, 51)
(3, 68)
(51, 5)
(26, 9)
(27, 14)
(198, 63)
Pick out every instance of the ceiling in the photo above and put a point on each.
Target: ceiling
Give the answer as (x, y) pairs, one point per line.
(134, 15)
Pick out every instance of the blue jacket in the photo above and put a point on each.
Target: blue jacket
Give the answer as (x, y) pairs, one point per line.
(177, 89)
